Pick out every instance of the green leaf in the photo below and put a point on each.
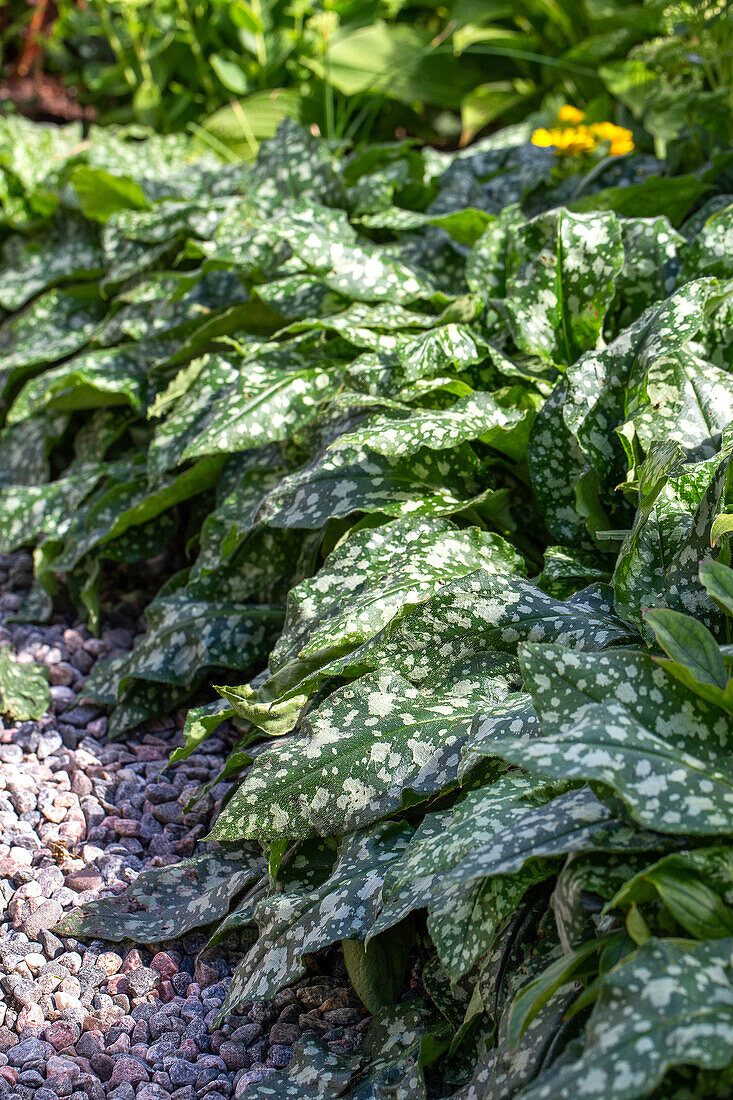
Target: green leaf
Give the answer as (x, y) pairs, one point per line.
(722, 525)
(24, 692)
(659, 559)
(165, 902)
(118, 376)
(555, 306)
(394, 60)
(709, 252)
(57, 324)
(482, 615)
(672, 197)
(537, 993)
(718, 581)
(30, 511)
(262, 406)
(476, 416)
(324, 241)
(655, 744)
(344, 480)
(574, 438)
(377, 972)
(242, 125)
(102, 194)
(185, 637)
(470, 867)
(361, 755)
(694, 886)
(69, 252)
(375, 576)
(690, 643)
(201, 722)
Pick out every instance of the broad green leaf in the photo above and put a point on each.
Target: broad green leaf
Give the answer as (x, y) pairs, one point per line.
(660, 557)
(361, 755)
(185, 637)
(24, 450)
(30, 511)
(341, 481)
(486, 266)
(717, 579)
(101, 193)
(24, 692)
(663, 784)
(240, 126)
(374, 576)
(323, 240)
(652, 256)
(689, 643)
(536, 994)
(565, 570)
(694, 886)
(484, 614)
(477, 416)
(123, 504)
(709, 252)
(167, 305)
(377, 972)
(185, 407)
(672, 197)
(464, 226)
(165, 902)
(261, 406)
(274, 718)
(394, 60)
(33, 155)
(574, 436)
(57, 324)
(69, 252)
(555, 305)
(118, 376)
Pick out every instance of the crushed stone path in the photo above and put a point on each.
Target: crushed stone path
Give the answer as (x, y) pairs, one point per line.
(79, 819)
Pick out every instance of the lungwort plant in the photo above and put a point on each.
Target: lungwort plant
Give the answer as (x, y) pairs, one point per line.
(447, 440)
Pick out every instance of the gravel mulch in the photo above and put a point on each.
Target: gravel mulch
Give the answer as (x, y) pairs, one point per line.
(79, 819)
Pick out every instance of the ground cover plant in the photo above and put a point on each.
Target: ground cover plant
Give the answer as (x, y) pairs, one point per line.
(443, 444)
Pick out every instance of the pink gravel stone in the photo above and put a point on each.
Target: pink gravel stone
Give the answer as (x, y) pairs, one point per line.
(164, 964)
(127, 1069)
(61, 1034)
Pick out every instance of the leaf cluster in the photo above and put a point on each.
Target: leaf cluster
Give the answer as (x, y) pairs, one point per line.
(446, 451)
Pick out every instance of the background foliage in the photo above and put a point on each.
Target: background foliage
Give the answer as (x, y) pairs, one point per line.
(233, 69)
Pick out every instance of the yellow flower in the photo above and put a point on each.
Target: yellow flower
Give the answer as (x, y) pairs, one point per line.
(570, 140)
(568, 113)
(622, 140)
(576, 140)
(542, 137)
